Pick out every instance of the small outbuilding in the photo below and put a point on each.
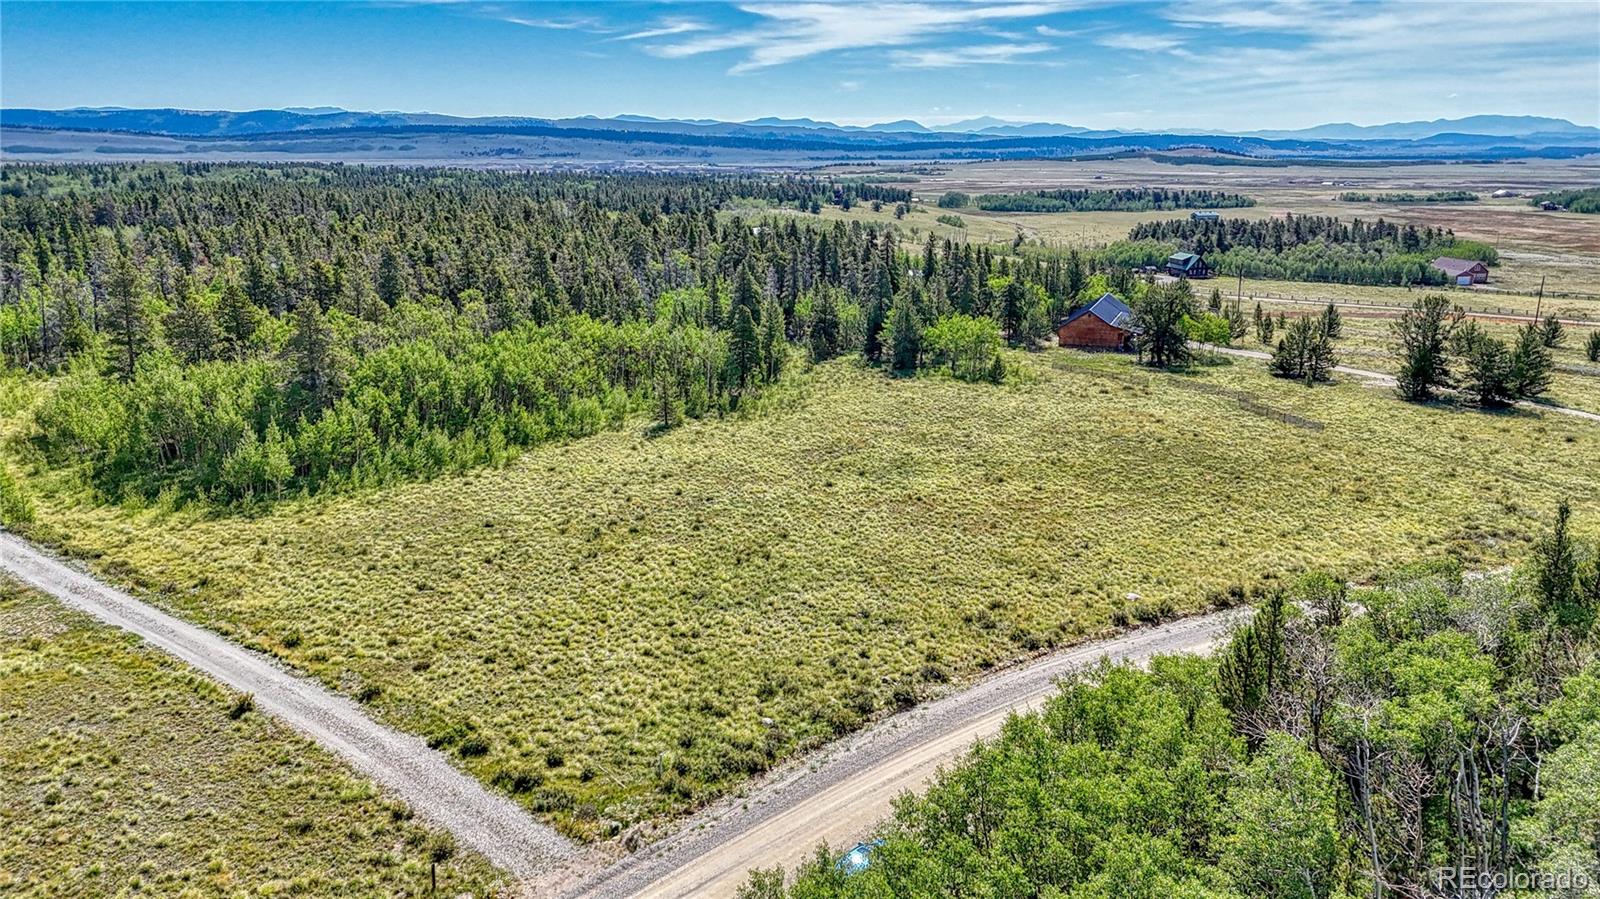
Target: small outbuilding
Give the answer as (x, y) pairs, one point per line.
(1205, 215)
(1463, 272)
(1105, 324)
(1187, 265)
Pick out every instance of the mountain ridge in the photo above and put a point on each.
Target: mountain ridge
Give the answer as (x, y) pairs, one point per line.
(222, 123)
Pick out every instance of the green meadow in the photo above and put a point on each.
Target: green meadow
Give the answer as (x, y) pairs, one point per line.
(623, 626)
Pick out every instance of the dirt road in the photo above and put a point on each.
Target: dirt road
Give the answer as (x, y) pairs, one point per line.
(840, 794)
(1389, 380)
(1386, 311)
(499, 829)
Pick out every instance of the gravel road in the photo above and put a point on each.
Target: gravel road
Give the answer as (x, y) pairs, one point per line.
(493, 825)
(841, 793)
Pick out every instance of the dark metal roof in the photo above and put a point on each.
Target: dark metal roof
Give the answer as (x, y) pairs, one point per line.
(1454, 267)
(1108, 309)
(1183, 260)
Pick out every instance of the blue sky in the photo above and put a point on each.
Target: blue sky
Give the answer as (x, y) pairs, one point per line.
(1178, 64)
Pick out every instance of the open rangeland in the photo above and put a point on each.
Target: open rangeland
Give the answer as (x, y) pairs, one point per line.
(1368, 316)
(627, 625)
(1562, 248)
(125, 772)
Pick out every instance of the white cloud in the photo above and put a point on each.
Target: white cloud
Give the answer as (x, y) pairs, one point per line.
(572, 24)
(1376, 61)
(982, 54)
(1148, 43)
(665, 29)
(788, 32)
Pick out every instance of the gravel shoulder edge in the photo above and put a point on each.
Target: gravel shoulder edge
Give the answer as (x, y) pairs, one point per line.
(880, 753)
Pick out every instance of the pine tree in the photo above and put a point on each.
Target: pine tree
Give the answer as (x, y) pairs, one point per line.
(1422, 339)
(774, 342)
(1252, 668)
(1332, 322)
(1556, 569)
(824, 337)
(391, 276)
(744, 347)
(130, 326)
(1531, 363)
(1552, 333)
(1237, 327)
(905, 330)
(191, 330)
(311, 351)
(1159, 317)
(77, 334)
(1012, 309)
(1487, 366)
(238, 318)
(1591, 349)
(1214, 304)
(747, 293)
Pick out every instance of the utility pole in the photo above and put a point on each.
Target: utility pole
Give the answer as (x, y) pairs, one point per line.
(1539, 306)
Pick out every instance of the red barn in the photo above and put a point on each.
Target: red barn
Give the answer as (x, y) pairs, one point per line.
(1105, 324)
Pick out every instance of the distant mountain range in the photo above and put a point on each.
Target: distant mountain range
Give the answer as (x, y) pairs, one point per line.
(201, 123)
(329, 132)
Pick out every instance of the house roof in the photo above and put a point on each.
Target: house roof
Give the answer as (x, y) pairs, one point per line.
(1184, 261)
(1108, 309)
(1456, 267)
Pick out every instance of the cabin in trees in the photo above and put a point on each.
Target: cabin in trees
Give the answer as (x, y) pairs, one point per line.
(1205, 215)
(1462, 271)
(1187, 265)
(1105, 324)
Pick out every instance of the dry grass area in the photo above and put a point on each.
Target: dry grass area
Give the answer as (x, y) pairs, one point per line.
(124, 773)
(1367, 341)
(626, 625)
(1563, 248)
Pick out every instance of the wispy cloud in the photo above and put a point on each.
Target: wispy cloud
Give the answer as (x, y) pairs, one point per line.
(788, 32)
(982, 54)
(1332, 56)
(666, 29)
(572, 24)
(1148, 43)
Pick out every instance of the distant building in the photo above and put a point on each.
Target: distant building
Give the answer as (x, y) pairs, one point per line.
(1205, 215)
(1105, 324)
(1187, 265)
(1549, 206)
(1502, 193)
(1463, 272)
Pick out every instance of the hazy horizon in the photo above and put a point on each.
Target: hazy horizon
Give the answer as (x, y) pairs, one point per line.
(1141, 66)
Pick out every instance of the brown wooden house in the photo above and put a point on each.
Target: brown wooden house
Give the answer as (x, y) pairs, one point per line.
(1462, 271)
(1187, 265)
(1105, 324)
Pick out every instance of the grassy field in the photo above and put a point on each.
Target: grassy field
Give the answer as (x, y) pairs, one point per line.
(623, 626)
(1561, 248)
(122, 772)
(1367, 338)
